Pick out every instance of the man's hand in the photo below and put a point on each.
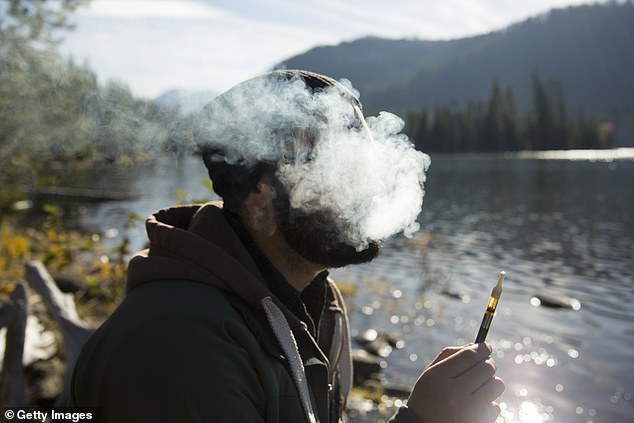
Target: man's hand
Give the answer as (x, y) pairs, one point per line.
(459, 386)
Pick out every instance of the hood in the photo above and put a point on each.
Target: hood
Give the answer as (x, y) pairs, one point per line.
(196, 243)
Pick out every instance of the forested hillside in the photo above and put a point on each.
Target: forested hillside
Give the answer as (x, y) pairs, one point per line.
(587, 50)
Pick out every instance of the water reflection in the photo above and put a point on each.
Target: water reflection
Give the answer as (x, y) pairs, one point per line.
(561, 230)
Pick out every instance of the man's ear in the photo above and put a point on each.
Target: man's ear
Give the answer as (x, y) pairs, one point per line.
(257, 212)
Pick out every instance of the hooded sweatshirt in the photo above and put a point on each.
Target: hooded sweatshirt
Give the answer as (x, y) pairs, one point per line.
(200, 337)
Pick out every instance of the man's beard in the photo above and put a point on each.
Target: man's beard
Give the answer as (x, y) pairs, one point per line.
(316, 237)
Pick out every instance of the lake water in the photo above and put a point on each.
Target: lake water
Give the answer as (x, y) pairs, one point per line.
(559, 225)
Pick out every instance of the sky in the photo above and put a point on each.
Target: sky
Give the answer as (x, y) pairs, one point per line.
(210, 45)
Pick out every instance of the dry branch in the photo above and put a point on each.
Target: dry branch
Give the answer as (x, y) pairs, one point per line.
(13, 315)
(62, 308)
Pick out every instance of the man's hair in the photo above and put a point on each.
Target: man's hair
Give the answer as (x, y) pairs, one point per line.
(234, 178)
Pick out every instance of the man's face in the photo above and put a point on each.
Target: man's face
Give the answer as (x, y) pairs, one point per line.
(315, 235)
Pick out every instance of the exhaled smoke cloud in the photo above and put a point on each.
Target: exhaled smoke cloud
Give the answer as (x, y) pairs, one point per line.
(364, 172)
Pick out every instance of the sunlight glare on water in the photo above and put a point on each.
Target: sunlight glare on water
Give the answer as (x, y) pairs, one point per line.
(528, 413)
(592, 155)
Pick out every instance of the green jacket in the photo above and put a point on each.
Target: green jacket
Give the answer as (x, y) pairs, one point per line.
(200, 338)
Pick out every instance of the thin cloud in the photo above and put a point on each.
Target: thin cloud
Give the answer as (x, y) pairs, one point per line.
(155, 55)
(152, 9)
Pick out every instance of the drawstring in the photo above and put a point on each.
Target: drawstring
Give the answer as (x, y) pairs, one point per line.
(335, 346)
(285, 337)
(345, 357)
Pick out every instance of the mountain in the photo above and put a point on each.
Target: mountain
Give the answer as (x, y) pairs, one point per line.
(588, 49)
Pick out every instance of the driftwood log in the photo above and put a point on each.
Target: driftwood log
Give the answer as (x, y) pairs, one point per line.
(43, 195)
(61, 307)
(13, 315)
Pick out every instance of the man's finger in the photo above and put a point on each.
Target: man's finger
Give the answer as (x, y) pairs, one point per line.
(491, 412)
(488, 392)
(463, 360)
(446, 352)
(477, 375)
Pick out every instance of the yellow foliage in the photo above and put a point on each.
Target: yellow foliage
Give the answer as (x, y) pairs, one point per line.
(105, 270)
(18, 246)
(63, 251)
(347, 289)
(7, 287)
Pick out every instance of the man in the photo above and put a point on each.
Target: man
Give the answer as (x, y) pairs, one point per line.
(230, 314)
